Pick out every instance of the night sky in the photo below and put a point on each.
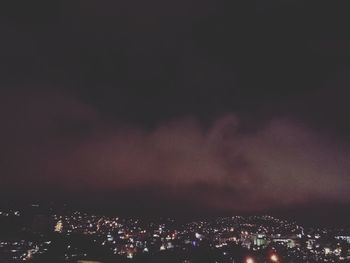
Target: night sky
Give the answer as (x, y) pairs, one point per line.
(185, 105)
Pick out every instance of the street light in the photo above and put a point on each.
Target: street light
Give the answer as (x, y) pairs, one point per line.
(249, 260)
(274, 258)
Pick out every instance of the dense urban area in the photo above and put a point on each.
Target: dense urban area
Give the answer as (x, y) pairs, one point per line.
(37, 234)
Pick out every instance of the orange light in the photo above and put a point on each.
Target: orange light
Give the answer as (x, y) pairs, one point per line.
(249, 260)
(274, 258)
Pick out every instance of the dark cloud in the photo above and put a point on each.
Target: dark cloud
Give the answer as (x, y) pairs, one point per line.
(54, 141)
(232, 105)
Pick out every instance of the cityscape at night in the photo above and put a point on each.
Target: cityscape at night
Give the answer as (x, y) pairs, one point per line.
(174, 131)
(35, 234)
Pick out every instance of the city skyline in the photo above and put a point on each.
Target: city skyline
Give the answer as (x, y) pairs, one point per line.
(184, 131)
(40, 233)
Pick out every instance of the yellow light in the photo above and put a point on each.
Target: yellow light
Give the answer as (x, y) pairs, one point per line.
(249, 260)
(274, 258)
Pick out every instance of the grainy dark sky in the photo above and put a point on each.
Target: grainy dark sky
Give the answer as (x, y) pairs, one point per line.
(222, 105)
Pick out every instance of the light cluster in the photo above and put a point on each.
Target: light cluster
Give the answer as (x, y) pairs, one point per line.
(256, 238)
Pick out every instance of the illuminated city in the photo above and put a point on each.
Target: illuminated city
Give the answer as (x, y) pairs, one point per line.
(175, 131)
(84, 237)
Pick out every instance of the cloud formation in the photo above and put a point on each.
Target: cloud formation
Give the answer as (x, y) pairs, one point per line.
(54, 141)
